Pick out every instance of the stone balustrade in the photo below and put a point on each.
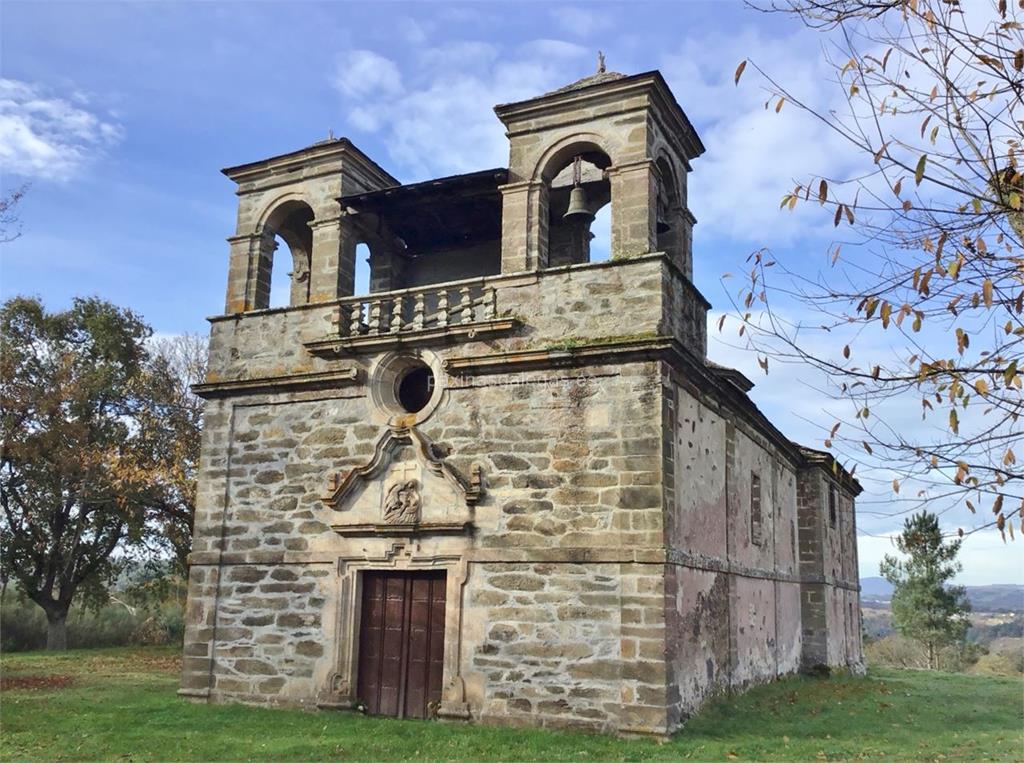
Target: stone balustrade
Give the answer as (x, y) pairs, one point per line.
(391, 313)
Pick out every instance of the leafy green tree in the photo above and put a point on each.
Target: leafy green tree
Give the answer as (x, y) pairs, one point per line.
(80, 470)
(924, 606)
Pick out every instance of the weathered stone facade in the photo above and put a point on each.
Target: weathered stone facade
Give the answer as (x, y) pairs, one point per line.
(622, 533)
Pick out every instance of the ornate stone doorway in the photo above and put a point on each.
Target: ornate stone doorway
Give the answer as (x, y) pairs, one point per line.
(401, 643)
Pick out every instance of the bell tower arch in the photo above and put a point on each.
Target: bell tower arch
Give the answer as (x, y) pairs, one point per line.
(294, 197)
(626, 123)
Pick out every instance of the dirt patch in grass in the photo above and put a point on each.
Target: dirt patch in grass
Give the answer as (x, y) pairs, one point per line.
(35, 682)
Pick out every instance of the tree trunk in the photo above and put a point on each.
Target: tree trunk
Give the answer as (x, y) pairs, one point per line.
(56, 630)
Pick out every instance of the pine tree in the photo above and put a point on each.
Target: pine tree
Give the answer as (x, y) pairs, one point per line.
(924, 607)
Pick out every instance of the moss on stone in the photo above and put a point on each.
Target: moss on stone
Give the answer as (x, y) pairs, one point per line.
(574, 343)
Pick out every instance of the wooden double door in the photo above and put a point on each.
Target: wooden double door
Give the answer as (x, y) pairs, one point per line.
(401, 643)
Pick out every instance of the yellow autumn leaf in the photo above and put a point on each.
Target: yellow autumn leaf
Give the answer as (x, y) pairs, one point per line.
(885, 312)
(919, 170)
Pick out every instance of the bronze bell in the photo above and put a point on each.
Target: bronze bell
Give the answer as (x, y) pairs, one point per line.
(578, 209)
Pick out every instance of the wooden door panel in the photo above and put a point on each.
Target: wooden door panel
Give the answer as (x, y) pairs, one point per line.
(401, 642)
(437, 613)
(370, 636)
(419, 644)
(392, 646)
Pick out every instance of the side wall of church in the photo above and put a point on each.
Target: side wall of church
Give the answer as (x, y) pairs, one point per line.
(732, 591)
(829, 569)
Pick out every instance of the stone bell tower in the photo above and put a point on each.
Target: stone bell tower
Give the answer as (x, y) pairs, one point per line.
(635, 132)
(295, 196)
(505, 485)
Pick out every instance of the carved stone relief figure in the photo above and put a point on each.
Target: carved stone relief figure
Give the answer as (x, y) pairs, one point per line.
(402, 503)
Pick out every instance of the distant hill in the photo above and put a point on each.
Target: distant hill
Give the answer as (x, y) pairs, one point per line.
(996, 598)
(875, 588)
(1001, 597)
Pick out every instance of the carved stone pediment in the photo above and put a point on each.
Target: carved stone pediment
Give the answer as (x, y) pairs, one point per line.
(407, 487)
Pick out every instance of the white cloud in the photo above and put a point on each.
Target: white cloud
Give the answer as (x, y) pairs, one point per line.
(47, 137)
(412, 31)
(985, 557)
(755, 155)
(437, 116)
(363, 73)
(554, 49)
(581, 21)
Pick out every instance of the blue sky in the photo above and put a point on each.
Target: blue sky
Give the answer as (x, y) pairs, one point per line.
(121, 115)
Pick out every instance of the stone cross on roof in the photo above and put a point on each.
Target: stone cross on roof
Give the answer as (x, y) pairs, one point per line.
(601, 75)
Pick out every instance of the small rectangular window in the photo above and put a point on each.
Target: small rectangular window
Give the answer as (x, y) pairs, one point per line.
(832, 500)
(755, 508)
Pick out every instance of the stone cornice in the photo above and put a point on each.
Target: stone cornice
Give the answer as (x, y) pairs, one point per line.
(827, 463)
(560, 555)
(417, 529)
(323, 152)
(286, 383)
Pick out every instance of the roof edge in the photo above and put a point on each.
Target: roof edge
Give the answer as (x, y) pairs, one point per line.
(826, 461)
(340, 145)
(464, 177)
(654, 77)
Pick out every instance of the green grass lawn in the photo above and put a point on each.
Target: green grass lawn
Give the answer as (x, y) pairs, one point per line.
(119, 704)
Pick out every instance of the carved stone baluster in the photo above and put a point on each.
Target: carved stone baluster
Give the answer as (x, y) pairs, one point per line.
(442, 308)
(466, 305)
(375, 317)
(356, 316)
(396, 315)
(490, 304)
(417, 312)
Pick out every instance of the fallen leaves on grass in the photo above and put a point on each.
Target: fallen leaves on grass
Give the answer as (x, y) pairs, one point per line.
(35, 683)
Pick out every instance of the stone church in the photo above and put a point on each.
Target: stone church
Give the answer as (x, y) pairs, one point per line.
(504, 484)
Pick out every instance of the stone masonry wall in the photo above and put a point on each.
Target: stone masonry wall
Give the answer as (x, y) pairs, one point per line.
(552, 632)
(828, 565)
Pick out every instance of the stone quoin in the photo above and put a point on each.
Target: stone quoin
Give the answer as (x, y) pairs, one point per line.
(505, 485)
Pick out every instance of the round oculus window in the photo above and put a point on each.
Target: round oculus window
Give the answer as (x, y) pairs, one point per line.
(414, 387)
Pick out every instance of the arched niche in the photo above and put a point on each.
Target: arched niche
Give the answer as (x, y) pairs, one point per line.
(362, 280)
(673, 221)
(567, 240)
(287, 222)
